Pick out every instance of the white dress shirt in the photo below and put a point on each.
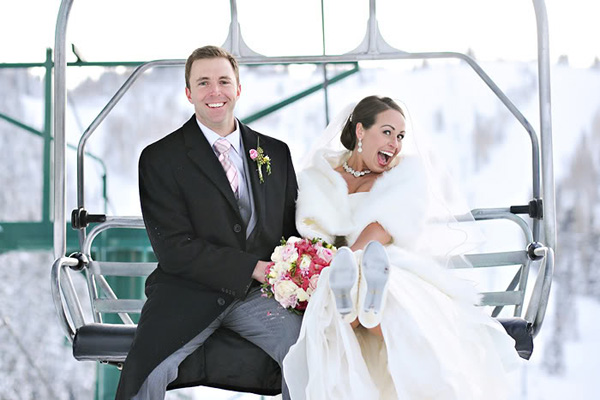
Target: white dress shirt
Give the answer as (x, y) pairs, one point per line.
(246, 200)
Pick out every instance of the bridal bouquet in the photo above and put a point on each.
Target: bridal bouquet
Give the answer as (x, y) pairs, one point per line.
(294, 271)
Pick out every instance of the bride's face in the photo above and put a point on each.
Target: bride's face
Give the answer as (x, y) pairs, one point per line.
(382, 142)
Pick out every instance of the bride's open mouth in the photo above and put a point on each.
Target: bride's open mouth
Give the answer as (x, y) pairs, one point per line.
(384, 157)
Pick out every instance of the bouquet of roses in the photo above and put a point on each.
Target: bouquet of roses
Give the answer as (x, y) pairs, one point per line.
(294, 271)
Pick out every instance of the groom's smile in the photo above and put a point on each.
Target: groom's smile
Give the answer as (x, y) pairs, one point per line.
(214, 90)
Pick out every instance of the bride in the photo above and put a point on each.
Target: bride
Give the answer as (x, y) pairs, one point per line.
(388, 320)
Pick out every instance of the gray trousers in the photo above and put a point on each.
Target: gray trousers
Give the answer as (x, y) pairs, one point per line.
(258, 319)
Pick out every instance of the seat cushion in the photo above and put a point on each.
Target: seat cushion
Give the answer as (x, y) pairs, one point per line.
(520, 330)
(225, 361)
(103, 342)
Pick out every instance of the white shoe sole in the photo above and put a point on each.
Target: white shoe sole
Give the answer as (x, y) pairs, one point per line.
(343, 278)
(375, 268)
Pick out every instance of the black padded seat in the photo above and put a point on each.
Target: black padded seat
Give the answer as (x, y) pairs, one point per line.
(225, 361)
(103, 342)
(522, 331)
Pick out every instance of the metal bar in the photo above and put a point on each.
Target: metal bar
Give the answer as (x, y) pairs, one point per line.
(486, 214)
(75, 64)
(502, 298)
(319, 59)
(324, 66)
(434, 55)
(109, 106)
(72, 300)
(545, 124)
(112, 268)
(111, 222)
(21, 65)
(524, 277)
(47, 136)
(497, 259)
(511, 286)
(98, 304)
(21, 125)
(120, 306)
(64, 297)
(44, 134)
(93, 293)
(60, 101)
(59, 305)
(292, 99)
(105, 63)
(538, 301)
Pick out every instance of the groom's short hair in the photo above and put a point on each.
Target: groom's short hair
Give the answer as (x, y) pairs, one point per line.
(210, 52)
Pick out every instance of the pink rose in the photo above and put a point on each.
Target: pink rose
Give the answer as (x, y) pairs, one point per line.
(253, 154)
(312, 284)
(289, 253)
(325, 254)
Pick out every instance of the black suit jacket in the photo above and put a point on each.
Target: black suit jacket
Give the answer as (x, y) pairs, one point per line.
(205, 260)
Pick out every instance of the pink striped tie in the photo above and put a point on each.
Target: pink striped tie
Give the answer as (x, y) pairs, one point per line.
(222, 146)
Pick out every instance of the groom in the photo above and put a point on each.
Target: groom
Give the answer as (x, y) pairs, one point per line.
(214, 211)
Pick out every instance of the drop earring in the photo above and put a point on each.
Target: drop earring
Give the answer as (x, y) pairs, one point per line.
(359, 145)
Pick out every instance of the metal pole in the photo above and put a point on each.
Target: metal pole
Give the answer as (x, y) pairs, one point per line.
(96, 122)
(546, 123)
(324, 66)
(47, 135)
(60, 100)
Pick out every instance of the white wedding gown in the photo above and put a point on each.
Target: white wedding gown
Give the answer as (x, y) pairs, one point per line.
(436, 344)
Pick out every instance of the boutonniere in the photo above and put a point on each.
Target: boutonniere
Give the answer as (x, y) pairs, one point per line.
(260, 158)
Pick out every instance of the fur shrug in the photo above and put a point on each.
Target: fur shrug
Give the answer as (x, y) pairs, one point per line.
(397, 201)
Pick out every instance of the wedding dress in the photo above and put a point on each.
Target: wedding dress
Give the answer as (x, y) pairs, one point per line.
(436, 344)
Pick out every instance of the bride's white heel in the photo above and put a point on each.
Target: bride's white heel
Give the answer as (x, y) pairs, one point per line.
(343, 281)
(375, 271)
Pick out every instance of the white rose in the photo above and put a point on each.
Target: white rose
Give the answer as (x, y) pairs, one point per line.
(276, 256)
(305, 263)
(284, 290)
(302, 295)
(293, 239)
(278, 269)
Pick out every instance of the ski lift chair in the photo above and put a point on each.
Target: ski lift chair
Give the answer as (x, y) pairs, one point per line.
(225, 354)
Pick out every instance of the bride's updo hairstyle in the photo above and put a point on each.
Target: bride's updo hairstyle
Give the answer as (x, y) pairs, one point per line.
(365, 112)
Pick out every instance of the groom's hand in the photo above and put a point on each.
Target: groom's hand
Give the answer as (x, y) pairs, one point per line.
(259, 271)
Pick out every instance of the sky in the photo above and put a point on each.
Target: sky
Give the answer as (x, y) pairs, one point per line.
(142, 30)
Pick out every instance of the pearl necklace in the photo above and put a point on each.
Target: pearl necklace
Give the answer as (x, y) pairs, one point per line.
(356, 174)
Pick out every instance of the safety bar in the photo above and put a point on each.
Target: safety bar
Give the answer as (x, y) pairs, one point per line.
(253, 60)
(484, 214)
(65, 299)
(110, 223)
(536, 310)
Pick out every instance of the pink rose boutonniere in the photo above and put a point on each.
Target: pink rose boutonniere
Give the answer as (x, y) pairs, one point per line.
(260, 158)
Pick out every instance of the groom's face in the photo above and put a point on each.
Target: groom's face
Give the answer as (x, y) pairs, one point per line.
(213, 91)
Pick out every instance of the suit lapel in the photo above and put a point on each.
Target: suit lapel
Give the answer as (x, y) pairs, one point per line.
(200, 152)
(250, 141)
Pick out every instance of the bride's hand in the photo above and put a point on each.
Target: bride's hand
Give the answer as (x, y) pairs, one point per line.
(259, 272)
(373, 231)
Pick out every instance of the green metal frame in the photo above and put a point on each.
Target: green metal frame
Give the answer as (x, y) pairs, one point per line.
(38, 235)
